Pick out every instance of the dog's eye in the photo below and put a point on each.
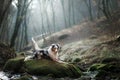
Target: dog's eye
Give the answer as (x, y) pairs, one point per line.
(53, 46)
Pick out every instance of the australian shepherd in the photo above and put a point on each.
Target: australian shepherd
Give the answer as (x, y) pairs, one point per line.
(51, 52)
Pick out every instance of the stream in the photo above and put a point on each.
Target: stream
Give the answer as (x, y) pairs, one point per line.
(8, 76)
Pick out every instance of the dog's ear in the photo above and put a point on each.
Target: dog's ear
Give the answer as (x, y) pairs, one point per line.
(53, 45)
(58, 45)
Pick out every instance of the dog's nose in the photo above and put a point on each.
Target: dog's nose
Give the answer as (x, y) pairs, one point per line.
(56, 50)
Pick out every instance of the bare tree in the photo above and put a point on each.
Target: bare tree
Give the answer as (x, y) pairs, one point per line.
(46, 13)
(4, 7)
(73, 12)
(89, 6)
(22, 8)
(53, 15)
(63, 8)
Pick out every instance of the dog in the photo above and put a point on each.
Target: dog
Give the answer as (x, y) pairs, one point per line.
(51, 52)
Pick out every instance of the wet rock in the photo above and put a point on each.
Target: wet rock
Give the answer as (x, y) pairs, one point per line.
(111, 60)
(106, 71)
(26, 77)
(14, 65)
(98, 66)
(85, 78)
(47, 67)
(77, 60)
(42, 67)
(3, 76)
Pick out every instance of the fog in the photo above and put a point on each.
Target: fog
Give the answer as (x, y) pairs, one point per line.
(49, 16)
(23, 19)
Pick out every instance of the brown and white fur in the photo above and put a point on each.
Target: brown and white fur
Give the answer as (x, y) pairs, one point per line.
(52, 52)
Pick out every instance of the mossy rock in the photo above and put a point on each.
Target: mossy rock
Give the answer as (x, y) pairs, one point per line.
(77, 60)
(46, 67)
(111, 60)
(14, 65)
(106, 70)
(98, 66)
(106, 67)
(42, 67)
(26, 77)
(102, 75)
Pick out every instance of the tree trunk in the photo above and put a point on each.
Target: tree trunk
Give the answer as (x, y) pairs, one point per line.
(4, 6)
(62, 2)
(20, 17)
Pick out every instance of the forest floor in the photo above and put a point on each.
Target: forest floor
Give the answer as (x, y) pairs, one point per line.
(90, 51)
(84, 43)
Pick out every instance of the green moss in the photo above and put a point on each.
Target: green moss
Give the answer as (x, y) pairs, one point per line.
(14, 65)
(45, 67)
(107, 67)
(106, 70)
(25, 78)
(42, 67)
(96, 67)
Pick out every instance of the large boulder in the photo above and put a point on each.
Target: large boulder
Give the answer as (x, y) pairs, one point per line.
(42, 67)
(108, 68)
(14, 65)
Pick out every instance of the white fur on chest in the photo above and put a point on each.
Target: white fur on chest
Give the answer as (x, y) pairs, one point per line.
(53, 55)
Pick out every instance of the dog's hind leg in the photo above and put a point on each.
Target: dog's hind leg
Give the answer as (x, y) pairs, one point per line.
(35, 45)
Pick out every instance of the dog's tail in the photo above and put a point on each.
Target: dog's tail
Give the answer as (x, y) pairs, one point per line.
(35, 45)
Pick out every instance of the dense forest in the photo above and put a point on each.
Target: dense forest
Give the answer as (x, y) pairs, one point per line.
(88, 31)
(21, 20)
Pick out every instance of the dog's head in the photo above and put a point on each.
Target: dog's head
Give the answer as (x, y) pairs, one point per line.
(55, 47)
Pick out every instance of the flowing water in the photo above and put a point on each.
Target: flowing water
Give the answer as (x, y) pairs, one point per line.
(8, 76)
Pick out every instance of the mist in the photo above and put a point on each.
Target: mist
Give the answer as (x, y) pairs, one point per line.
(60, 39)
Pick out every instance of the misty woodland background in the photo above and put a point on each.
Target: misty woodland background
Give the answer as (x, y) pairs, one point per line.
(22, 19)
(87, 30)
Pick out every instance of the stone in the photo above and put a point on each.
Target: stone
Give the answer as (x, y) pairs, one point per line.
(42, 67)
